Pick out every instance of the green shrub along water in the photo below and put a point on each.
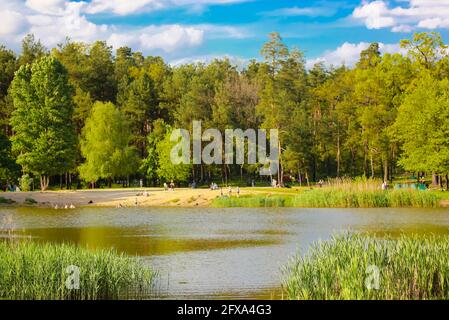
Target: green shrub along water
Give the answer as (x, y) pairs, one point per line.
(336, 198)
(6, 201)
(347, 267)
(31, 270)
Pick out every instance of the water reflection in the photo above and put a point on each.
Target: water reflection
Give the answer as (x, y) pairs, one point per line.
(214, 253)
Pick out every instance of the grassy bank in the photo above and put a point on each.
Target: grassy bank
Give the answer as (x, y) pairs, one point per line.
(256, 201)
(409, 268)
(331, 198)
(39, 271)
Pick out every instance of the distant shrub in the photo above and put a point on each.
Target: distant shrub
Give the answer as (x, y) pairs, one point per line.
(25, 183)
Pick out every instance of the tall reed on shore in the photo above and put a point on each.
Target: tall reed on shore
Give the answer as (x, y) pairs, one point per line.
(334, 198)
(35, 271)
(358, 267)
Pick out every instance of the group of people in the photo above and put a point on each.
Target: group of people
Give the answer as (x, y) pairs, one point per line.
(237, 191)
(170, 186)
(214, 186)
(10, 187)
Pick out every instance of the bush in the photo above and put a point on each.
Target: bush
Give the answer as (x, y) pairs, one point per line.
(6, 201)
(25, 183)
(30, 201)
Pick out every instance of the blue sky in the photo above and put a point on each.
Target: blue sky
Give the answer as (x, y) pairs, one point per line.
(199, 30)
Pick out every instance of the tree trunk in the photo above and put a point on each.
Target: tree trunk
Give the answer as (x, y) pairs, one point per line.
(386, 170)
(447, 182)
(372, 165)
(338, 154)
(280, 170)
(307, 179)
(44, 182)
(434, 179)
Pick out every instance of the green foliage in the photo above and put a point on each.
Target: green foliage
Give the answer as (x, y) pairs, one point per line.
(167, 170)
(410, 268)
(32, 50)
(8, 166)
(329, 198)
(422, 125)
(333, 122)
(259, 201)
(32, 271)
(6, 201)
(150, 164)
(44, 137)
(25, 183)
(106, 146)
(30, 201)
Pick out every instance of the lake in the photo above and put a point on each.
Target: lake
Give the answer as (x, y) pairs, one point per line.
(213, 253)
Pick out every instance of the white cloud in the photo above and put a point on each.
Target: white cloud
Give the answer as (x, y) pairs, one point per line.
(47, 6)
(425, 14)
(12, 22)
(171, 38)
(327, 11)
(53, 20)
(239, 62)
(124, 7)
(349, 53)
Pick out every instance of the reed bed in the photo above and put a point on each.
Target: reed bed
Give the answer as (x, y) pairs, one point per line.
(344, 268)
(259, 201)
(335, 198)
(36, 271)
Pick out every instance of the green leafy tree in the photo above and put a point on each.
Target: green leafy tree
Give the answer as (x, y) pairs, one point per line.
(8, 63)
(167, 170)
(150, 164)
(32, 50)
(8, 167)
(44, 136)
(425, 148)
(106, 146)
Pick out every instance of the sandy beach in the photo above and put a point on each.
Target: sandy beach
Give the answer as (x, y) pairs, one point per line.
(145, 197)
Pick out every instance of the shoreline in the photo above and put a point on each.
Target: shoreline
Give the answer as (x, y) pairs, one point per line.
(116, 198)
(139, 197)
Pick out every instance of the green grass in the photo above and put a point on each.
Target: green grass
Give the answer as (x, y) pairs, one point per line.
(334, 198)
(253, 201)
(30, 270)
(6, 201)
(409, 268)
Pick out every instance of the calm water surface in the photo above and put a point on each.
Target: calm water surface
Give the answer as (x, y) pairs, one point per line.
(213, 253)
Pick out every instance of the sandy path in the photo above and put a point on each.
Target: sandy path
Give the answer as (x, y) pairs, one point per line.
(147, 197)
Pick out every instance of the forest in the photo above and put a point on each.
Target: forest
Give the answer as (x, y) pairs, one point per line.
(81, 115)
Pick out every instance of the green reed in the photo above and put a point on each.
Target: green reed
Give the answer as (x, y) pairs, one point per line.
(357, 267)
(31, 270)
(259, 201)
